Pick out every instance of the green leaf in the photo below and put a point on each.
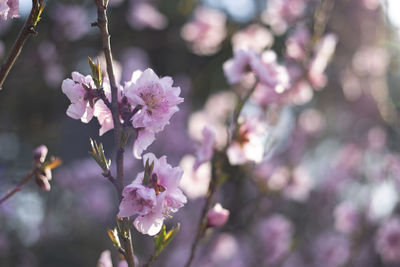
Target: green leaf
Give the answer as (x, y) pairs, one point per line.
(98, 155)
(96, 73)
(113, 234)
(164, 238)
(148, 170)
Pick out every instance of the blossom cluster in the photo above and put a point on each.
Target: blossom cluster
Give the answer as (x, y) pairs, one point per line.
(146, 103)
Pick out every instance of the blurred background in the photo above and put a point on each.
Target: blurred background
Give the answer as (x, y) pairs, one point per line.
(327, 192)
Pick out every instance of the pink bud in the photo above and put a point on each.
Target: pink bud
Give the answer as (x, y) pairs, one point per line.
(217, 216)
(40, 153)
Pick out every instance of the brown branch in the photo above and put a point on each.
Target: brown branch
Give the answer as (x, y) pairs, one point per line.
(203, 218)
(28, 29)
(102, 23)
(18, 187)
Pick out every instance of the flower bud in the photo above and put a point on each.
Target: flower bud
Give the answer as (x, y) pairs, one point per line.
(217, 216)
(40, 153)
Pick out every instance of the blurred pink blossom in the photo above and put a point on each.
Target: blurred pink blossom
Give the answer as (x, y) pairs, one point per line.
(142, 14)
(322, 53)
(217, 216)
(248, 144)
(276, 233)
(72, 21)
(9, 9)
(194, 182)
(206, 150)
(206, 31)
(297, 43)
(280, 14)
(331, 250)
(254, 36)
(347, 218)
(388, 240)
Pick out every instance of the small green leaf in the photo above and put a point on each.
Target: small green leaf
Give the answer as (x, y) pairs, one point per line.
(96, 73)
(98, 155)
(113, 234)
(148, 170)
(164, 238)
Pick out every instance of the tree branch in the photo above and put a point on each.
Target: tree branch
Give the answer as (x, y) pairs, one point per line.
(102, 23)
(28, 29)
(18, 187)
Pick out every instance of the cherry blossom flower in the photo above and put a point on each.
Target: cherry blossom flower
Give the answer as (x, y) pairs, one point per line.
(331, 250)
(155, 200)
(206, 31)
(388, 240)
(237, 66)
(206, 150)
(102, 112)
(255, 37)
(248, 144)
(158, 100)
(322, 54)
(71, 21)
(296, 43)
(281, 13)
(137, 199)
(347, 218)
(276, 233)
(79, 91)
(105, 260)
(42, 177)
(217, 216)
(142, 14)
(9, 9)
(194, 182)
(265, 67)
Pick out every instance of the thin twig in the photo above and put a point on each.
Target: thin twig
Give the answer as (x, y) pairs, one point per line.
(102, 23)
(151, 260)
(18, 187)
(203, 218)
(28, 29)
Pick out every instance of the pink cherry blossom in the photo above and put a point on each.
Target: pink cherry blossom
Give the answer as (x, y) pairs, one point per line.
(77, 91)
(322, 54)
(105, 259)
(206, 31)
(297, 43)
(42, 177)
(71, 21)
(237, 66)
(270, 73)
(388, 240)
(194, 182)
(331, 250)
(154, 201)
(137, 199)
(217, 216)
(281, 13)
(9, 9)
(102, 112)
(255, 37)
(249, 143)
(276, 233)
(142, 14)
(206, 150)
(40, 153)
(158, 100)
(346, 218)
